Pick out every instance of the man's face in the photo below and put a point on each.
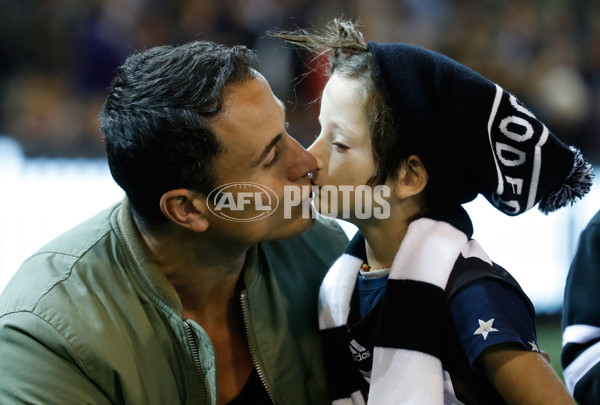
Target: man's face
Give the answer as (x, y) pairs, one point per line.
(258, 150)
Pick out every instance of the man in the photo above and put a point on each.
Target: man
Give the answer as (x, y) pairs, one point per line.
(163, 298)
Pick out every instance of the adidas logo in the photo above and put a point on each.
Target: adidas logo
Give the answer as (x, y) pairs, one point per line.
(358, 352)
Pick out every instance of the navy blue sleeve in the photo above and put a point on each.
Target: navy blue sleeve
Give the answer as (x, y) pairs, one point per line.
(487, 312)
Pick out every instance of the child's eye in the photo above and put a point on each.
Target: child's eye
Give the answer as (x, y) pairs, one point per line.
(340, 146)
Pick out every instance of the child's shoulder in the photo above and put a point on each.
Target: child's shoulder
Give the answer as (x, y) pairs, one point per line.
(474, 267)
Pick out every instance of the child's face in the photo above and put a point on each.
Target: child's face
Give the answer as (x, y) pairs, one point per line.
(343, 148)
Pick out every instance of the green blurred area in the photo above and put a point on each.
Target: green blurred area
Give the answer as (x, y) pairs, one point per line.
(549, 335)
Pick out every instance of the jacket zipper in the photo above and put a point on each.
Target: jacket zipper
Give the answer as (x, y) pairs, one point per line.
(196, 356)
(251, 344)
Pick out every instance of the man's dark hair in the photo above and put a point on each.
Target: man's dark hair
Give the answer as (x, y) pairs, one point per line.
(156, 120)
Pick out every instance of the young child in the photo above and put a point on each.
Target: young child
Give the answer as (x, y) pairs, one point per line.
(415, 312)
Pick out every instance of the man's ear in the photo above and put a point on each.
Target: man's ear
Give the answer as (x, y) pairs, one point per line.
(185, 208)
(412, 178)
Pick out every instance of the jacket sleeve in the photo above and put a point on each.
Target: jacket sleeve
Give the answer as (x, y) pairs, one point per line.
(581, 319)
(38, 366)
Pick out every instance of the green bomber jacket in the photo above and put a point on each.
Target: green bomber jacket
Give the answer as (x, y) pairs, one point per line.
(89, 319)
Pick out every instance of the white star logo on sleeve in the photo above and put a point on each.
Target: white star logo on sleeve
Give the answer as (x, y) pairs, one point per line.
(485, 328)
(534, 347)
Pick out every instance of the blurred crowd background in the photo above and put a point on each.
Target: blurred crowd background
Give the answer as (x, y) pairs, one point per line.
(57, 56)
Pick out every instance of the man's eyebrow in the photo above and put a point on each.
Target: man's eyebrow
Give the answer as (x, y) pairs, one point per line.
(267, 149)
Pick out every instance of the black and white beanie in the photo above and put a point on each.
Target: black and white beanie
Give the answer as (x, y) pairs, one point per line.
(474, 137)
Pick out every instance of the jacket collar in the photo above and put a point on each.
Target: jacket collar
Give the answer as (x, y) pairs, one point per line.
(148, 275)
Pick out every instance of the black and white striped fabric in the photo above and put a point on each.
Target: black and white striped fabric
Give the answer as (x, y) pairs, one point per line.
(581, 318)
(407, 366)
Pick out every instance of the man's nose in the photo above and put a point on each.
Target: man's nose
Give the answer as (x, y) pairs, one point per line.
(302, 161)
(314, 150)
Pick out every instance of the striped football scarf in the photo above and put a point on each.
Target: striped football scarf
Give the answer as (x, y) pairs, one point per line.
(407, 367)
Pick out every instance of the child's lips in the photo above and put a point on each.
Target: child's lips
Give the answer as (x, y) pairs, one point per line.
(316, 188)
